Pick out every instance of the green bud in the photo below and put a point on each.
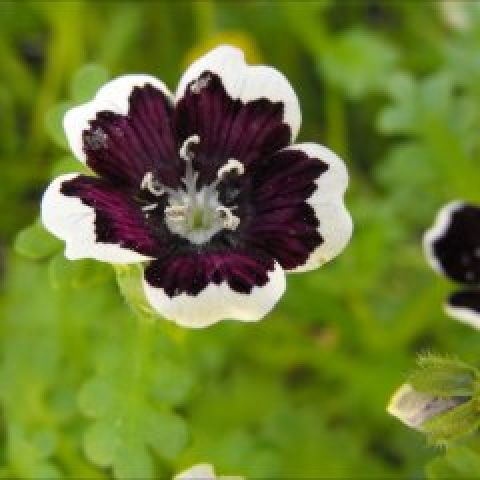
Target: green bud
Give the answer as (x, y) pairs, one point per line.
(443, 377)
(440, 399)
(458, 422)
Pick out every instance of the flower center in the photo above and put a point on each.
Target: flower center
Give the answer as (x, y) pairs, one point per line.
(193, 213)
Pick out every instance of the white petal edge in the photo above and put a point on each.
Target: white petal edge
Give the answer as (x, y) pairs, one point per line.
(409, 405)
(113, 97)
(335, 222)
(438, 230)
(414, 408)
(464, 315)
(218, 302)
(203, 471)
(69, 219)
(246, 82)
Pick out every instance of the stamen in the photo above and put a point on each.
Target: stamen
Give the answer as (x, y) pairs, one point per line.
(185, 150)
(176, 213)
(148, 208)
(231, 165)
(196, 214)
(153, 186)
(190, 180)
(230, 221)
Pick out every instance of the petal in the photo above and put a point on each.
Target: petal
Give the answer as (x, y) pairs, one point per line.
(452, 245)
(465, 307)
(244, 82)
(415, 408)
(202, 471)
(126, 130)
(238, 111)
(300, 217)
(198, 289)
(96, 221)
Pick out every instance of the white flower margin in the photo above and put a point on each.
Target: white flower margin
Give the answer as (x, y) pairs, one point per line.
(204, 471)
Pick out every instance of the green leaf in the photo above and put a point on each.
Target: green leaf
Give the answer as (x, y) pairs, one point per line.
(29, 455)
(127, 423)
(120, 438)
(402, 115)
(173, 382)
(435, 112)
(36, 243)
(87, 81)
(167, 433)
(358, 61)
(416, 104)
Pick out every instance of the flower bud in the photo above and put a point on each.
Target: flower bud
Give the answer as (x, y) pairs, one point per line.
(415, 408)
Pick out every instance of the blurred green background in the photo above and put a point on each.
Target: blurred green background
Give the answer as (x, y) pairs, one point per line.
(88, 392)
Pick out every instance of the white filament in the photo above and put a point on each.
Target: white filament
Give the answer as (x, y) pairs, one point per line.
(148, 208)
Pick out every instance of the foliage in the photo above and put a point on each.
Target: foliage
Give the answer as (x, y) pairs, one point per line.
(89, 391)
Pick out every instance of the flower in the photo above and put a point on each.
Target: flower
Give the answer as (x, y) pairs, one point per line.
(414, 408)
(452, 247)
(203, 471)
(204, 187)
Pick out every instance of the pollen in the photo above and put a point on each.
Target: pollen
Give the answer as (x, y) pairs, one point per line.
(232, 165)
(198, 85)
(97, 139)
(176, 213)
(153, 186)
(186, 148)
(230, 221)
(149, 208)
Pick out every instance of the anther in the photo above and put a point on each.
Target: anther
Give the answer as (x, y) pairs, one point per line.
(153, 186)
(230, 221)
(186, 148)
(176, 213)
(231, 165)
(148, 208)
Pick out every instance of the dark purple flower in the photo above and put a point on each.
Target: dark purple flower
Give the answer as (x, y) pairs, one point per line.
(452, 247)
(205, 187)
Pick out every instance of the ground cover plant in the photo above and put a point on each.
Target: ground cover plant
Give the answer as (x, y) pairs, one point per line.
(89, 389)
